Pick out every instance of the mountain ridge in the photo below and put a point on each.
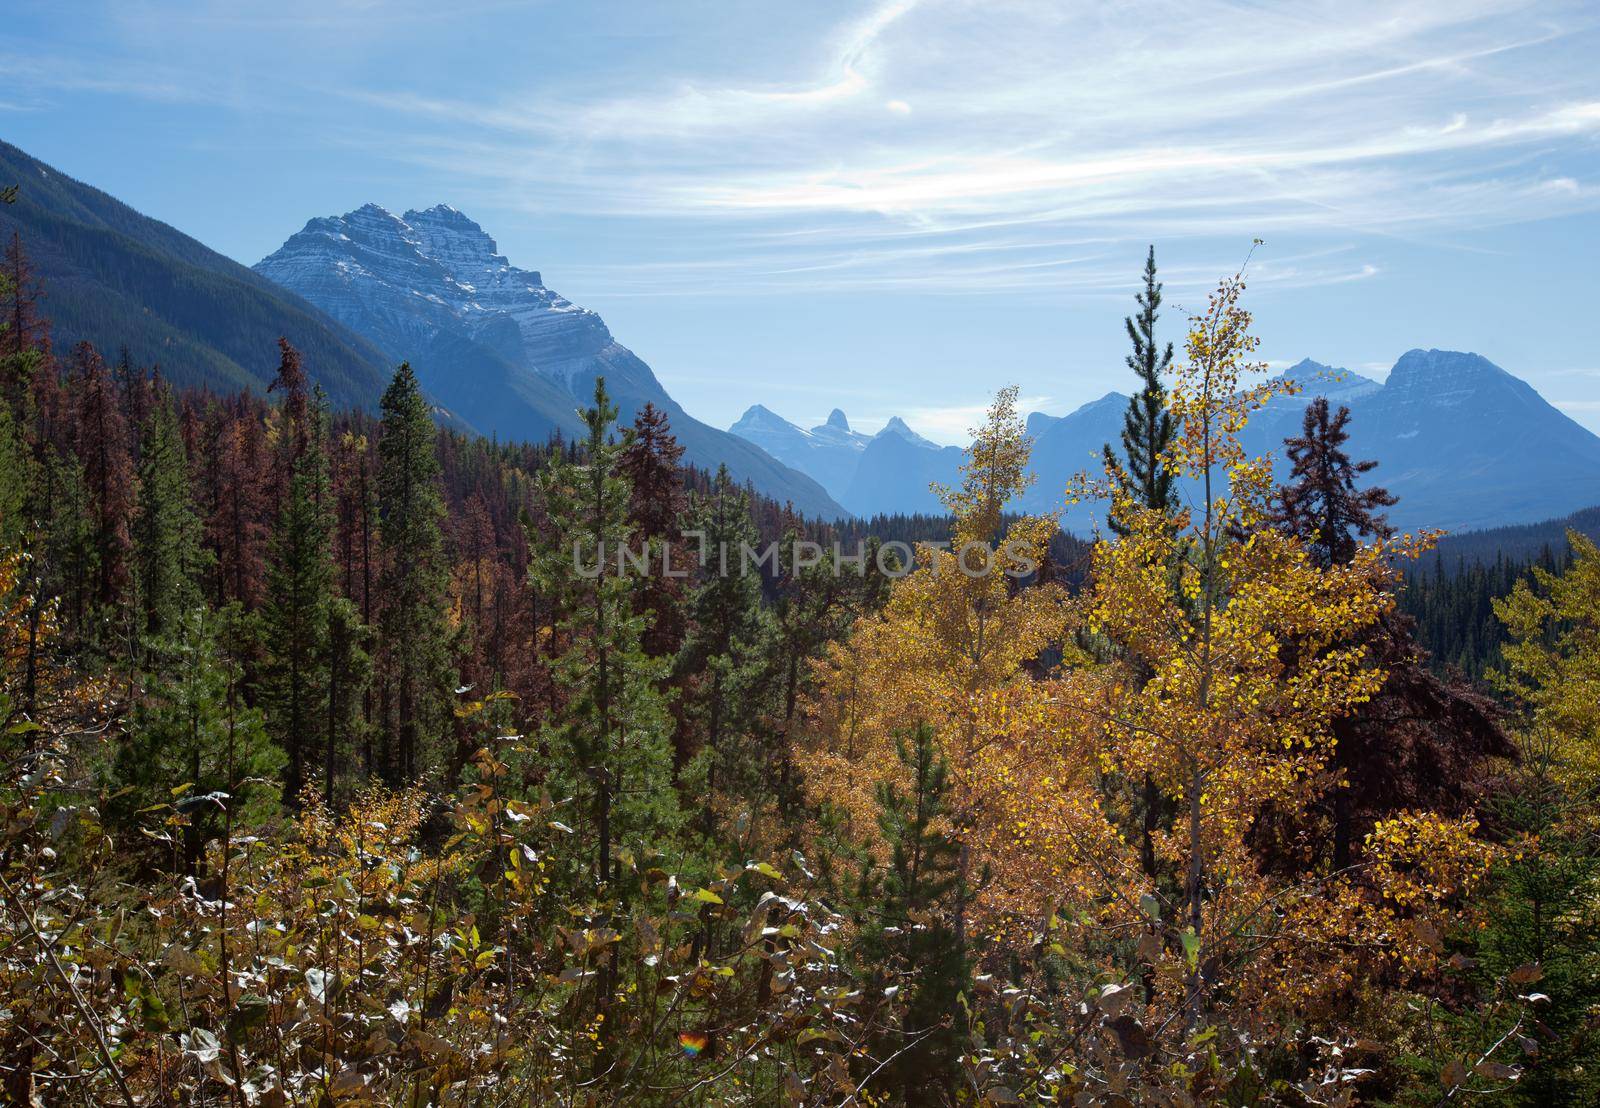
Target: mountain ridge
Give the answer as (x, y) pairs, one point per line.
(116, 277)
(491, 340)
(1462, 442)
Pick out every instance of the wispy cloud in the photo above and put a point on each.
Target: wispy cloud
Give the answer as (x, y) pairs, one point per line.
(957, 145)
(1074, 122)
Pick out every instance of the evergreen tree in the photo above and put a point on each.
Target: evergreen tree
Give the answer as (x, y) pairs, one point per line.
(100, 439)
(1321, 503)
(613, 727)
(192, 738)
(349, 670)
(611, 734)
(24, 333)
(722, 655)
(907, 942)
(1142, 474)
(650, 461)
(1147, 428)
(1415, 744)
(299, 591)
(412, 663)
(168, 555)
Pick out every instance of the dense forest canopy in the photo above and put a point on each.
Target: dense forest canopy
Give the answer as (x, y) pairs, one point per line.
(330, 773)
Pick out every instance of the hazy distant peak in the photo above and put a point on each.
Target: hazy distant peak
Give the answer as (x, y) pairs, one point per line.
(897, 426)
(837, 420)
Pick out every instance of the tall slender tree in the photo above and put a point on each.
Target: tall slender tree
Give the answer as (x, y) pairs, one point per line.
(1144, 476)
(168, 555)
(299, 592)
(613, 726)
(721, 657)
(412, 663)
(650, 461)
(101, 441)
(1147, 428)
(611, 734)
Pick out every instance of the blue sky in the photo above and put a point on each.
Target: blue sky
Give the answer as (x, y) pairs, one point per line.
(887, 207)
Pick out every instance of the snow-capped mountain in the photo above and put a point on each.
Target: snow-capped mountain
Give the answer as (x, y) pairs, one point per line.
(1460, 441)
(489, 340)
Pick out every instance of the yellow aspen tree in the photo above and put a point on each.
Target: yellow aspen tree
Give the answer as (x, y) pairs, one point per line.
(949, 649)
(1238, 652)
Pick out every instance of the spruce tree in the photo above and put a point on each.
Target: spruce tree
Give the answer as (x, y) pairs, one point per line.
(722, 655)
(349, 670)
(192, 737)
(412, 664)
(299, 592)
(1321, 503)
(650, 461)
(167, 552)
(1415, 744)
(100, 440)
(1147, 427)
(1142, 476)
(612, 730)
(610, 735)
(908, 941)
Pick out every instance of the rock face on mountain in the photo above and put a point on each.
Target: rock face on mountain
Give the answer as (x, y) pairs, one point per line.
(507, 354)
(1460, 441)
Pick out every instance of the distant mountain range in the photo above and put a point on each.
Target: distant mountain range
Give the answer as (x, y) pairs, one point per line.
(116, 278)
(1460, 441)
(490, 341)
(831, 452)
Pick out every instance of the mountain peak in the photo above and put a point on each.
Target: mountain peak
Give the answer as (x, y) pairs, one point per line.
(837, 420)
(1430, 365)
(447, 235)
(1334, 382)
(761, 412)
(897, 426)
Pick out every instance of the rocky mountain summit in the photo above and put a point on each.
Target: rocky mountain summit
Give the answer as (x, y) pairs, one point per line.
(489, 340)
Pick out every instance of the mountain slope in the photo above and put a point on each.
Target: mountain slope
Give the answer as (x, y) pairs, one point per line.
(117, 278)
(490, 340)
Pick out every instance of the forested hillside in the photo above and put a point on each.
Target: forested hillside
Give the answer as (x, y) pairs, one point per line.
(125, 281)
(346, 760)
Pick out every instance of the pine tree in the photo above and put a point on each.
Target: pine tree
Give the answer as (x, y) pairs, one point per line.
(24, 334)
(299, 591)
(1147, 428)
(349, 670)
(100, 440)
(613, 726)
(412, 663)
(1415, 744)
(650, 461)
(722, 655)
(611, 734)
(907, 941)
(192, 738)
(167, 551)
